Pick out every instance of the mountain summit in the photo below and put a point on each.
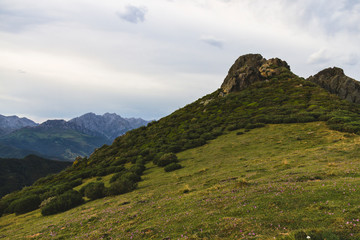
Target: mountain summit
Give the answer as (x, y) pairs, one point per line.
(335, 81)
(109, 125)
(251, 68)
(11, 123)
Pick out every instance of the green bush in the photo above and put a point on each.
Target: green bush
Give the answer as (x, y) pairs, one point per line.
(138, 169)
(94, 190)
(62, 203)
(115, 177)
(3, 206)
(121, 186)
(131, 176)
(26, 204)
(166, 159)
(172, 167)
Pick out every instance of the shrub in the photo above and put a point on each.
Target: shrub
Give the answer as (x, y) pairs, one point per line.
(76, 182)
(94, 190)
(131, 176)
(26, 204)
(121, 186)
(3, 206)
(138, 169)
(233, 127)
(172, 167)
(46, 201)
(115, 177)
(59, 189)
(62, 203)
(166, 159)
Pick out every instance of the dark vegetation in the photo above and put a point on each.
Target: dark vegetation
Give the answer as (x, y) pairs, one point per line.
(63, 202)
(284, 98)
(18, 173)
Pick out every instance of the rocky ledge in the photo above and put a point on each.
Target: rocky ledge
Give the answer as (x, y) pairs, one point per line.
(251, 68)
(335, 81)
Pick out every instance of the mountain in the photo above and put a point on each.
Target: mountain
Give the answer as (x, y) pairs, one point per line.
(12, 123)
(53, 139)
(65, 140)
(335, 81)
(109, 125)
(268, 155)
(17, 173)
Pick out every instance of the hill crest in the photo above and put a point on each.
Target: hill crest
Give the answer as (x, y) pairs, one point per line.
(251, 68)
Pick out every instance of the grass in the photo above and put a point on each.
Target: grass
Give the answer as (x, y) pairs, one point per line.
(269, 182)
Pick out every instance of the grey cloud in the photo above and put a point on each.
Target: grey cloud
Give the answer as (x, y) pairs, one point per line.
(352, 59)
(319, 57)
(213, 42)
(332, 15)
(133, 14)
(17, 20)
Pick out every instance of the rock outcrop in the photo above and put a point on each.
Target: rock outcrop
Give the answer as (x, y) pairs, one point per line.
(251, 68)
(335, 81)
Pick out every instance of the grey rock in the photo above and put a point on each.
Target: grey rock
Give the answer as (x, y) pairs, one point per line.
(251, 68)
(335, 81)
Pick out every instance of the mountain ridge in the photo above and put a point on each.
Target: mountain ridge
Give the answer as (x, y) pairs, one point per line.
(12, 123)
(65, 140)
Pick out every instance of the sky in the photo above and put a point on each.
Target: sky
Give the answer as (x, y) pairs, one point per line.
(60, 59)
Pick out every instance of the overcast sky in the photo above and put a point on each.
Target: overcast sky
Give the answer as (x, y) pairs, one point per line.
(147, 58)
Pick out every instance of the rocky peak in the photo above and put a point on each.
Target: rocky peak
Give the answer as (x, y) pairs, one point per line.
(9, 124)
(335, 81)
(251, 68)
(109, 125)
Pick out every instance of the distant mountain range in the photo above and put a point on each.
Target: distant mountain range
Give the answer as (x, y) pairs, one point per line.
(60, 139)
(12, 123)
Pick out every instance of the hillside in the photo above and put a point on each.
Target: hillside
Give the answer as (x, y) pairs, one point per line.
(18, 173)
(269, 154)
(271, 182)
(63, 140)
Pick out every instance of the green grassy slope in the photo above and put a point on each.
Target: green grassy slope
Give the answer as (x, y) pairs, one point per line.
(270, 182)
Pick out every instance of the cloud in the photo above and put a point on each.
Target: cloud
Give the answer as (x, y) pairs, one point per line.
(133, 14)
(212, 41)
(352, 59)
(17, 20)
(319, 57)
(65, 58)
